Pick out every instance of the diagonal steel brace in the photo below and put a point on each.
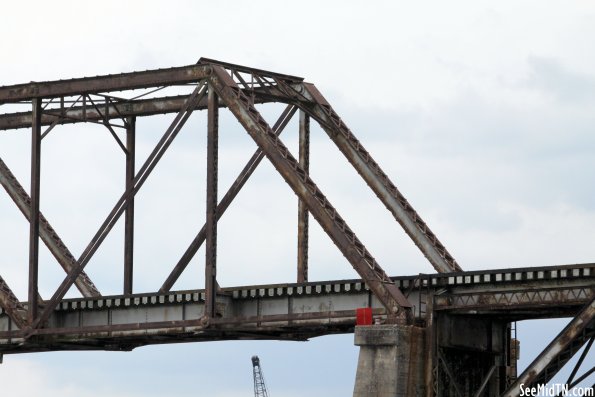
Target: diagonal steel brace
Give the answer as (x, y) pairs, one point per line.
(46, 232)
(11, 305)
(318, 205)
(312, 102)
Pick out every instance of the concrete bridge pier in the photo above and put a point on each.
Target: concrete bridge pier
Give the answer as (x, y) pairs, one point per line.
(463, 356)
(391, 361)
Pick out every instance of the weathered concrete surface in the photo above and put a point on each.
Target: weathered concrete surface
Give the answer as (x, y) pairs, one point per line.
(390, 361)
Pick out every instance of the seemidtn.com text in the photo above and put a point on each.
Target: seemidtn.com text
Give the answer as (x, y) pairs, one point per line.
(556, 389)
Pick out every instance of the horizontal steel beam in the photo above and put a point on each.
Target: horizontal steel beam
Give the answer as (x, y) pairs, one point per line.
(181, 313)
(115, 110)
(292, 310)
(530, 298)
(107, 83)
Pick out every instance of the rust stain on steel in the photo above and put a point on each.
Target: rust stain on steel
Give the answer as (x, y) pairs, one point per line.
(211, 207)
(304, 159)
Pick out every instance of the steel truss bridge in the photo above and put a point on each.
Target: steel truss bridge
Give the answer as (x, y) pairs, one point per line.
(464, 317)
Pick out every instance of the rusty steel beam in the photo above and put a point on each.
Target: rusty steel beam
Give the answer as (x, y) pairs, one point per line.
(46, 232)
(558, 352)
(107, 83)
(186, 326)
(312, 101)
(306, 189)
(119, 208)
(304, 159)
(493, 300)
(129, 212)
(250, 307)
(211, 208)
(248, 70)
(231, 194)
(119, 109)
(86, 113)
(34, 211)
(11, 305)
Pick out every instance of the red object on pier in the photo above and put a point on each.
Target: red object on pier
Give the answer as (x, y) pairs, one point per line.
(363, 316)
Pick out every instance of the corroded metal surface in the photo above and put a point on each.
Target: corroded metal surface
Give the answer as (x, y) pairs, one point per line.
(558, 352)
(458, 310)
(278, 311)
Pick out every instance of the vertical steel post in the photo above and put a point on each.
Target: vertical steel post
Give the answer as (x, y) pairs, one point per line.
(129, 214)
(34, 221)
(211, 224)
(304, 160)
(431, 376)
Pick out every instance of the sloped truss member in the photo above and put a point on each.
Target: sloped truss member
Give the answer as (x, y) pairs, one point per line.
(295, 176)
(11, 305)
(569, 341)
(239, 88)
(46, 232)
(312, 101)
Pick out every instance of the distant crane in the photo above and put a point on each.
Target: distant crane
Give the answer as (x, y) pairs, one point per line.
(260, 389)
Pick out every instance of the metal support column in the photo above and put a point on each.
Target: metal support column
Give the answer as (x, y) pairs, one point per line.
(211, 229)
(129, 214)
(304, 160)
(34, 221)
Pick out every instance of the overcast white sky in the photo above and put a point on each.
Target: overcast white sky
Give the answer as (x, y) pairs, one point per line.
(481, 113)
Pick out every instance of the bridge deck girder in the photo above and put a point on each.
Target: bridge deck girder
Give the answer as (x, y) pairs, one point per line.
(296, 311)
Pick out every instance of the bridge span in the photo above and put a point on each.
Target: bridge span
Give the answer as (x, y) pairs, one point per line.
(444, 334)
